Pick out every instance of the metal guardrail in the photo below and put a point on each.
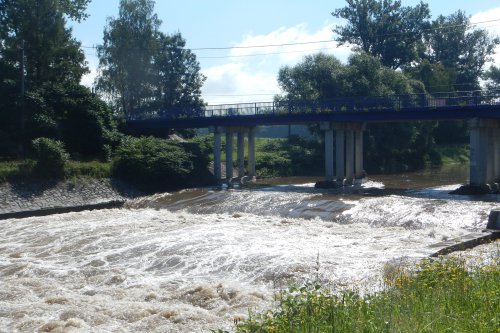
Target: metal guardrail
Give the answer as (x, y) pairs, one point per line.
(391, 103)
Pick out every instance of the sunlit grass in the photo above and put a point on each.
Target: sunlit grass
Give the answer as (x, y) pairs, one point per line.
(92, 169)
(24, 169)
(435, 296)
(452, 154)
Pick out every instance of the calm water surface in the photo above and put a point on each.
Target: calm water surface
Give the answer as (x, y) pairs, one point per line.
(196, 260)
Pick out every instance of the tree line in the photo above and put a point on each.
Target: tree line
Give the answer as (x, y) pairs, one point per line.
(144, 72)
(398, 50)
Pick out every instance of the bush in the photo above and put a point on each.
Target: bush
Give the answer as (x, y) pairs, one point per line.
(153, 164)
(273, 164)
(50, 157)
(294, 156)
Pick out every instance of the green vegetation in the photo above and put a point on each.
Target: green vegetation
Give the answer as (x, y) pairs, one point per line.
(294, 156)
(436, 296)
(25, 170)
(144, 72)
(452, 154)
(50, 157)
(154, 164)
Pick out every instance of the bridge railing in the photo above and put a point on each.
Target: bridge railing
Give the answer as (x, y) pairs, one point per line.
(390, 103)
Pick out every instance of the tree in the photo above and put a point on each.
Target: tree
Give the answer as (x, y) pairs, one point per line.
(178, 79)
(384, 29)
(389, 147)
(144, 71)
(492, 77)
(434, 76)
(126, 57)
(51, 54)
(52, 57)
(452, 43)
(323, 77)
(318, 77)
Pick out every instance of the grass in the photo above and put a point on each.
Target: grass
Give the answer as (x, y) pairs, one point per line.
(24, 169)
(436, 296)
(453, 154)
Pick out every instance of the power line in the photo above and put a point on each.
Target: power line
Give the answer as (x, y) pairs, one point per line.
(321, 41)
(240, 95)
(265, 54)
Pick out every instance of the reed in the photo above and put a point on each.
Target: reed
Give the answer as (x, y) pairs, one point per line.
(435, 296)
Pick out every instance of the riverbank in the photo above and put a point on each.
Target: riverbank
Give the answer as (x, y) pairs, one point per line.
(43, 197)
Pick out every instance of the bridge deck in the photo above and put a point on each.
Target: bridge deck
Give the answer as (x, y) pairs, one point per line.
(357, 109)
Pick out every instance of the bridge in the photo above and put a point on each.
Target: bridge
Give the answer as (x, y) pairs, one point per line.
(346, 119)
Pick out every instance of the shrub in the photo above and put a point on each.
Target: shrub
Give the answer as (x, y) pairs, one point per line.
(50, 157)
(273, 164)
(153, 164)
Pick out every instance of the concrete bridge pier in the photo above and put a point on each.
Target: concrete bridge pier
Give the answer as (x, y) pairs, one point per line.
(484, 151)
(348, 153)
(240, 153)
(217, 160)
(229, 155)
(251, 153)
(329, 170)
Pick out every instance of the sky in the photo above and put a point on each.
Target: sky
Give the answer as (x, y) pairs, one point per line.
(235, 74)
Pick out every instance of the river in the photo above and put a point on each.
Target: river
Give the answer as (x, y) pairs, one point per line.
(199, 259)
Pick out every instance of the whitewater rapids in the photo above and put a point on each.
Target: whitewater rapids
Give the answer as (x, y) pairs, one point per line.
(199, 259)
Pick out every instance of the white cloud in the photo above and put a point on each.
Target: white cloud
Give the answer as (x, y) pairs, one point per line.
(236, 83)
(491, 24)
(251, 74)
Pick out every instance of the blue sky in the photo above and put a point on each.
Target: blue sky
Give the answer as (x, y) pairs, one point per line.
(241, 75)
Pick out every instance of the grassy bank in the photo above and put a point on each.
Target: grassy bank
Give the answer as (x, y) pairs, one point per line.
(435, 296)
(15, 170)
(453, 154)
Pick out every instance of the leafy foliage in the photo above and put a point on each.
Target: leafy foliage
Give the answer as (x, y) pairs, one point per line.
(54, 104)
(51, 54)
(451, 43)
(50, 156)
(143, 71)
(155, 164)
(384, 29)
(492, 77)
(389, 147)
(294, 156)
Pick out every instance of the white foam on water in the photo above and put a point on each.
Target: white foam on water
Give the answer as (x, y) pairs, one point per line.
(196, 260)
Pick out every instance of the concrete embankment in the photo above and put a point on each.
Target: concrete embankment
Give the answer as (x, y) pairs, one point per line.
(38, 198)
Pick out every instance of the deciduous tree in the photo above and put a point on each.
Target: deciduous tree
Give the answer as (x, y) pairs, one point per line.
(389, 147)
(384, 29)
(453, 43)
(143, 71)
